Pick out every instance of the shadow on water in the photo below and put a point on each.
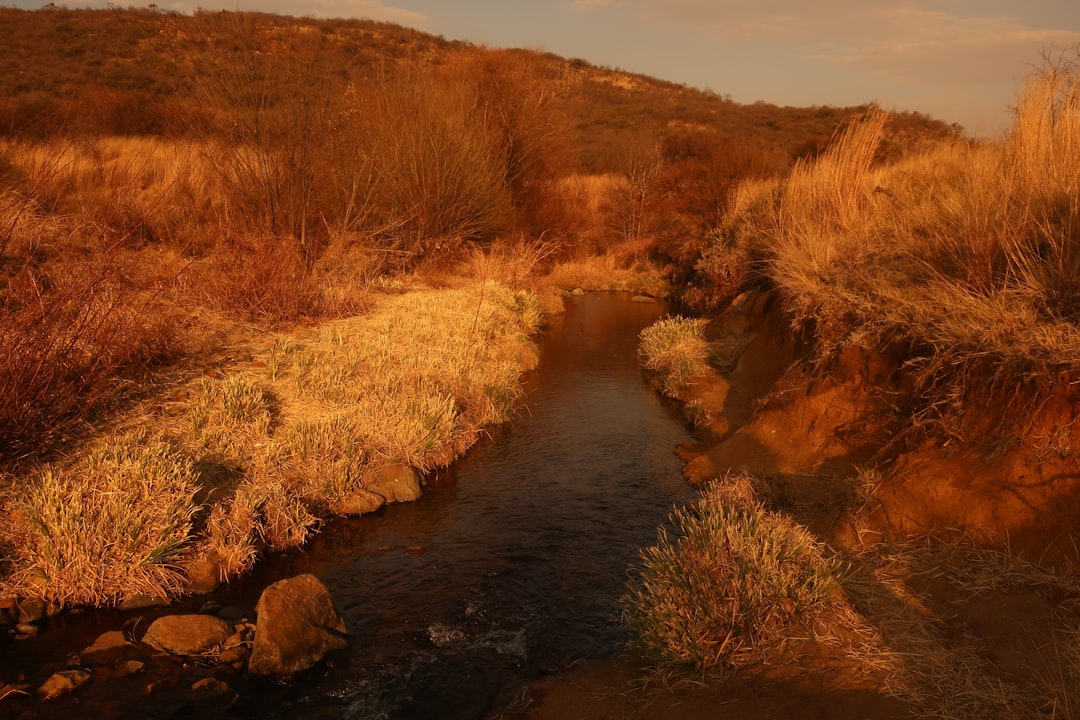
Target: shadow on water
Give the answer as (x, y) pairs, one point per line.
(510, 566)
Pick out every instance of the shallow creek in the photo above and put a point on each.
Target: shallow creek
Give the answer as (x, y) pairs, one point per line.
(506, 571)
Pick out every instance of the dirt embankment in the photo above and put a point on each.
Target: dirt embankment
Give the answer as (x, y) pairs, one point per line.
(1013, 482)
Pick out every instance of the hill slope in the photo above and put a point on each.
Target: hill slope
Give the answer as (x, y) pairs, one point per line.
(135, 71)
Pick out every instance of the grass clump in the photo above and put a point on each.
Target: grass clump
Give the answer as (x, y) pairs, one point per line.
(621, 268)
(111, 526)
(675, 349)
(729, 581)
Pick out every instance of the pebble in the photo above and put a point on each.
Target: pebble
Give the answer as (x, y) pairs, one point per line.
(26, 630)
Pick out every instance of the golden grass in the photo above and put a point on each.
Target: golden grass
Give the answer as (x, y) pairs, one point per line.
(934, 244)
(727, 585)
(257, 454)
(674, 349)
(613, 270)
(412, 383)
(110, 525)
(969, 253)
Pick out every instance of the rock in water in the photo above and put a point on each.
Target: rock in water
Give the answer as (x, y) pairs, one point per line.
(396, 483)
(107, 649)
(187, 634)
(296, 626)
(62, 682)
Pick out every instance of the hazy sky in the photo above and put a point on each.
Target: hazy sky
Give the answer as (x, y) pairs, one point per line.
(960, 60)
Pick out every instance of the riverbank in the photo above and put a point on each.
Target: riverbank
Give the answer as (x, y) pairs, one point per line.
(939, 613)
(457, 600)
(188, 489)
(892, 367)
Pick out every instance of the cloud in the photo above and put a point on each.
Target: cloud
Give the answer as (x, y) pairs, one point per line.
(926, 46)
(591, 5)
(906, 41)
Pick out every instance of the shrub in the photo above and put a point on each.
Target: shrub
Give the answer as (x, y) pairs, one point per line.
(728, 583)
(260, 278)
(68, 337)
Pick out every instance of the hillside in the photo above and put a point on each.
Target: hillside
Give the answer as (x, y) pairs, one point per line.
(124, 72)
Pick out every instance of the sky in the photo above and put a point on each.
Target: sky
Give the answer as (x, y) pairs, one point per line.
(962, 61)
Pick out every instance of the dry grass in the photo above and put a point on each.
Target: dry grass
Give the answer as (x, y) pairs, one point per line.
(922, 660)
(966, 252)
(675, 350)
(256, 455)
(110, 525)
(412, 383)
(621, 268)
(728, 585)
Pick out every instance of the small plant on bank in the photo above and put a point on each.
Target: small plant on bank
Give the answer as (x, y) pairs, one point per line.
(675, 349)
(109, 527)
(727, 582)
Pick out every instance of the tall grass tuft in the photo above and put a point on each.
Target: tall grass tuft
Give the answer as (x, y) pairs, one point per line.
(675, 350)
(110, 526)
(730, 580)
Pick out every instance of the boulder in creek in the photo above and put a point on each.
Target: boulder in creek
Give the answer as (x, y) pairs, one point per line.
(187, 634)
(396, 483)
(141, 602)
(62, 682)
(359, 503)
(296, 626)
(107, 649)
(203, 574)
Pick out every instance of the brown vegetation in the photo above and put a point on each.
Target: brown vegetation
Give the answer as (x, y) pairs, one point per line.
(284, 164)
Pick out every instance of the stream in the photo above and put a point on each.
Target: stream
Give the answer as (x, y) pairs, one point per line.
(509, 568)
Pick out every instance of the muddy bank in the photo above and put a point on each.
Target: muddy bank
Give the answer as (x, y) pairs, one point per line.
(1011, 482)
